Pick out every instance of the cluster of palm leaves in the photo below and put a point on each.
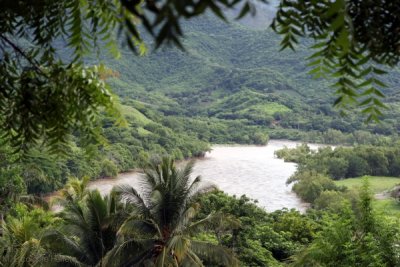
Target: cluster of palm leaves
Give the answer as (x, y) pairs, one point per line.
(154, 225)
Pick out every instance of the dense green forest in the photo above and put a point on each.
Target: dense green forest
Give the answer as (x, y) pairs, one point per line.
(62, 126)
(232, 73)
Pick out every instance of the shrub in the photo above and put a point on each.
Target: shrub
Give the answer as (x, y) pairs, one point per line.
(108, 168)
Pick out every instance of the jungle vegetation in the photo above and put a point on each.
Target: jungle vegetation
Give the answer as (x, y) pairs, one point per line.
(67, 108)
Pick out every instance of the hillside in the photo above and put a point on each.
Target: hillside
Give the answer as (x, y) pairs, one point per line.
(231, 73)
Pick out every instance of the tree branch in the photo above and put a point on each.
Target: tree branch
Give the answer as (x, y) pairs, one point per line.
(22, 53)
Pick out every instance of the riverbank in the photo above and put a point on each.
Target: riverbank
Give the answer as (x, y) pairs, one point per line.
(252, 170)
(237, 170)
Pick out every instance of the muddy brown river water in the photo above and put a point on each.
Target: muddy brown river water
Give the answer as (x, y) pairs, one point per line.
(238, 170)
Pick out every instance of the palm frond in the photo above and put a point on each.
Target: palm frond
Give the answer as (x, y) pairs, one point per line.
(65, 259)
(74, 217)
(75, 188)
(134, 226)
(186, 217)
(64, 246)
(19, 230)
(183, 175)
(97, 207)
(162, 259)
(92, 222)
(191, 259)
(30, 251)
(130, 195)
(154, 174)
(178, 245)
(129, 252)
(214, 253)
(198, 188)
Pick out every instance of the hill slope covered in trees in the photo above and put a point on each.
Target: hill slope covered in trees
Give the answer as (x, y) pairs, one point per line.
(230, 75)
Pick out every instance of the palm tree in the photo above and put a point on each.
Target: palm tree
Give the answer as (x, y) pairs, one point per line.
(90, 224)
(21, 245)
(22, 238)
(75, 190)
(160, 230)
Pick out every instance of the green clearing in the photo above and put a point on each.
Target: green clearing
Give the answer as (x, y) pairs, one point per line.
(378, 184)
(267, 108)
(135, 115)
(143, 132)
(388, 207)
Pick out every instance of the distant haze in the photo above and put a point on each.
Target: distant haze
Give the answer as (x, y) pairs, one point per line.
(263, 18)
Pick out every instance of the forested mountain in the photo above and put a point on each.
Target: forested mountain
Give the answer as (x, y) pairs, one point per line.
(233, 73)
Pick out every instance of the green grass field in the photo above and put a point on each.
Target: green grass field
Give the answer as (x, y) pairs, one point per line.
(135, 114)
(267, 108)
(388, 207)
(378, 184)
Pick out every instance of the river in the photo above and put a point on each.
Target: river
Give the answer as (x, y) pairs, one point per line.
(238, 170)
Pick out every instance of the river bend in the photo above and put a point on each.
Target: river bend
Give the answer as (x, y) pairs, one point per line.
(238, 170)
